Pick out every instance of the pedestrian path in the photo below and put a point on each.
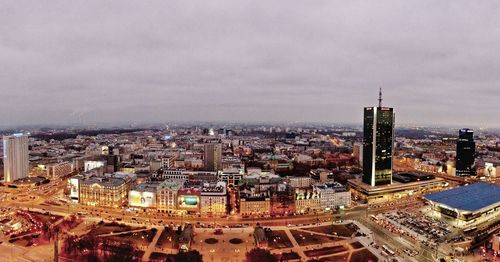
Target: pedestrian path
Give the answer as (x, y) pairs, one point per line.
(323, 234)
(152, 245)
(123, 233)
(296, 247)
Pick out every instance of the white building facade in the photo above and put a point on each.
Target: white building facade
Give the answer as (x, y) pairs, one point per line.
(15, 157)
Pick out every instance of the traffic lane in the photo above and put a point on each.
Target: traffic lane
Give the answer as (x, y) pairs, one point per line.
(156, 217)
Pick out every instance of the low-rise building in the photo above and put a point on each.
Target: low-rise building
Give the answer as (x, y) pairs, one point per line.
(255, 206)
(307, 200)
(109, 190)
(230, 176)
(333, 195)
(300, 182)
(283, 200)
(321, 175)
(166, 195)
(214, 199)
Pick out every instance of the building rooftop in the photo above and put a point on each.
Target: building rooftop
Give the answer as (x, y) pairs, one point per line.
(468, 198)
(173, 184)
(214, 189)
(146, 187)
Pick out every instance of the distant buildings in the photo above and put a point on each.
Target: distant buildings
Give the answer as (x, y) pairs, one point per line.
(15, 157)
(378, 134)
(466, 150)
(357, 152)
(213, 157)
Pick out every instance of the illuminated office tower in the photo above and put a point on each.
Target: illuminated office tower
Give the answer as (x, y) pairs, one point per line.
(378, 140)
(213, 157)
(466, 149)
(15, 157)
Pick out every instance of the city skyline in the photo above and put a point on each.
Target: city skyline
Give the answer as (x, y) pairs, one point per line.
(236, 62)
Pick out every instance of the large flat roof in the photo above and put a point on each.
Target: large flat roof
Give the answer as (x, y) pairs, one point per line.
(468, 198)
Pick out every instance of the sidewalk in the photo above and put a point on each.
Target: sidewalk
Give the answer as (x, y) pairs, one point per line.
(152, 245)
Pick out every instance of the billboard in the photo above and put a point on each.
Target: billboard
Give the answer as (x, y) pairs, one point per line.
(189, 202)
(89, 165)
(141, 199)
(74, 189)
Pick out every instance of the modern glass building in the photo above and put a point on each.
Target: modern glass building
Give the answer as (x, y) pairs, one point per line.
(378, 132)
(466, 149)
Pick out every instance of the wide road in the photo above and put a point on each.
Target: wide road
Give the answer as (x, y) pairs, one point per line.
(160, 218)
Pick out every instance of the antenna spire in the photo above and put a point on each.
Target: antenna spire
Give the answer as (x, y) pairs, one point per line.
(380, 97)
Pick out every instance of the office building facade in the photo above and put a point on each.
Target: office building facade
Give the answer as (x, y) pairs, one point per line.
(378, 140)
(466, 149)
(15, 157)
(213, 157)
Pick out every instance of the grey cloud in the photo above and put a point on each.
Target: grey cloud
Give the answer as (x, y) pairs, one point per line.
(154, 61)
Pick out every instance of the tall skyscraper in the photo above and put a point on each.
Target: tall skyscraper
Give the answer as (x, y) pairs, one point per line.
(213, 157)
(466, 149)
(378, 134)
(15, 157)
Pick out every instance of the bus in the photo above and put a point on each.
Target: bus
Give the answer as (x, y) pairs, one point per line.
(388, 251)
(374, 218)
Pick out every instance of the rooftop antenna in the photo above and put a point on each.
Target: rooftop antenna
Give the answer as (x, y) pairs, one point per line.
(380, 97)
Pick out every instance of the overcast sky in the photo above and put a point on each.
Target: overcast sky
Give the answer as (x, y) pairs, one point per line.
(438, 62)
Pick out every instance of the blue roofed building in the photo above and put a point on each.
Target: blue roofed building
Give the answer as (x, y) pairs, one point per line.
(466, 205)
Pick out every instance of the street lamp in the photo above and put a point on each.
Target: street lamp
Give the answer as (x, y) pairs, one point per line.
(212, 251)
(237, 251)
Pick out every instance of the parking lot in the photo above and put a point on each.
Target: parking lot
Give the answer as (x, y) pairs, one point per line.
(426, 228)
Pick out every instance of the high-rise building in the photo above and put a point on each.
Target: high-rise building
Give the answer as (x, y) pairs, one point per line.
(378, 140)
(466, 149)
(15, 157)
(213, 157)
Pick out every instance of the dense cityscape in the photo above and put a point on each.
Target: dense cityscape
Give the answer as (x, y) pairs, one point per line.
(252, 192)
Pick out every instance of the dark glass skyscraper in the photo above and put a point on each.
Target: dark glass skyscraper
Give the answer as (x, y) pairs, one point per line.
(466, 149)
(378, 132)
